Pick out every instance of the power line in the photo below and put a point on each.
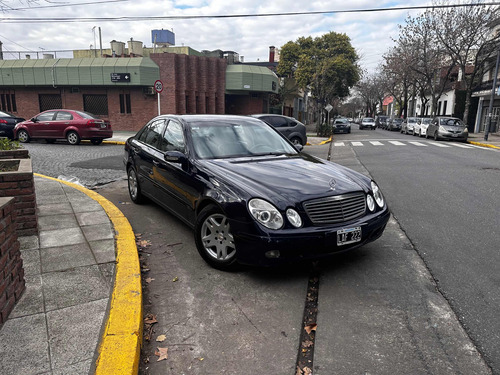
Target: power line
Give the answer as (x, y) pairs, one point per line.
(186, 17)
(65, 5)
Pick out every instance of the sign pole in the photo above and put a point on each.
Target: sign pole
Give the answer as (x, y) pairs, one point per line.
(158, 89)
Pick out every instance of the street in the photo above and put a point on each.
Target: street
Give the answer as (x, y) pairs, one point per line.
(421, 299)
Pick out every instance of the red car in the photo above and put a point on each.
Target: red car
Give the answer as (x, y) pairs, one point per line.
(64, 124)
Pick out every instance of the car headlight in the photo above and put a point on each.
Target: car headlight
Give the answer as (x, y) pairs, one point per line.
(294, 218)
(466, 130)
(377, 194)
(442, 130)
(265, 213)
(370, 203)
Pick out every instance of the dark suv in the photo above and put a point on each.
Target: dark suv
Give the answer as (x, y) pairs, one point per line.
(291, 128)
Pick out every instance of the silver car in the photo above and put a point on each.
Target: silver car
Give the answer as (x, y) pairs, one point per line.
(368, 122)
(444, 127)
(291, 128)
(420, 128)
(408, 125)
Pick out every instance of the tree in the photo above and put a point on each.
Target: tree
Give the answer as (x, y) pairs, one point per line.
(467, 35)
(326, 66)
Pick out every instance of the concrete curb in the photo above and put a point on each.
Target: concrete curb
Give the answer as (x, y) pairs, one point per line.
(483, 144)
(119, 347)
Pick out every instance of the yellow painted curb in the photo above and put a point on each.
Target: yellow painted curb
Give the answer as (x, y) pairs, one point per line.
(327, 141)
(119, 348)
(483, 144)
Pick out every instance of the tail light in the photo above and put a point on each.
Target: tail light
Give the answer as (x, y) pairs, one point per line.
(3, 121)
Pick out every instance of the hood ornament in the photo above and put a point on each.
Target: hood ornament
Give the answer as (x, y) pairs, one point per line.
(333, 184)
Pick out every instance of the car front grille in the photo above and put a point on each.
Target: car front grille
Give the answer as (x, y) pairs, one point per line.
(336, 209)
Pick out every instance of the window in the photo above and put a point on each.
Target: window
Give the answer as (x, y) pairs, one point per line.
(445, 103)
(277, 122)
(8, 102)
(64, 116)
(173, 139)
(125, 106)
(96, 104)
(49, 101)
(46, 116)
(152, 133)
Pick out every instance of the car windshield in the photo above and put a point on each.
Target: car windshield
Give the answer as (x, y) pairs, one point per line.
(368, 119)
(341, 121)
(227, 139)
(426, 121)
(451, 122)
(398, 120)
(412, 120)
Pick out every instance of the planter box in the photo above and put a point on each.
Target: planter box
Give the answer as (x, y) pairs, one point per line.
(12, 284)
(19, 184)
(14, 154)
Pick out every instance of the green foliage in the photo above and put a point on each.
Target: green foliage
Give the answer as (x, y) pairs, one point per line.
(326, 65)
(7, 144)
(323, 130)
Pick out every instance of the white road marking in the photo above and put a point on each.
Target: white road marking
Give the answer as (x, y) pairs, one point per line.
(376, 143)
(397, 143)
(339, 144)
(418, 144)
(357, 143)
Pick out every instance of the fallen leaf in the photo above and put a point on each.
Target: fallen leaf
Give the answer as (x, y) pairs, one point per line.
(307, 371)
(299, 371)
(148, 280)
(150, 319)
(161, 338)
(175, 279)
(307, 344)
(201, 358)
(162, 354)
(310, 327)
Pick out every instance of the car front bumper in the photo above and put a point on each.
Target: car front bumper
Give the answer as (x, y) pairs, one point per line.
(269, 248)
(453, 136)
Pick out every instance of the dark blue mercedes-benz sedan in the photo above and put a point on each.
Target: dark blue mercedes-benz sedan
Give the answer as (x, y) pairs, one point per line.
(250, 195)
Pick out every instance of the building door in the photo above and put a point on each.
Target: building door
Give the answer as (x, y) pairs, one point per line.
(494, 119)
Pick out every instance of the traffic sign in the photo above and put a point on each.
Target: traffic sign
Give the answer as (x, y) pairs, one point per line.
(158, 86)
(120, 77)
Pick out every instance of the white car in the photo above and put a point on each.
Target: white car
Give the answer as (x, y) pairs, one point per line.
(368, 122)
(421, 127)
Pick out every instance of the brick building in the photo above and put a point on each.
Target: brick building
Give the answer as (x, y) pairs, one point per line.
(121, 88)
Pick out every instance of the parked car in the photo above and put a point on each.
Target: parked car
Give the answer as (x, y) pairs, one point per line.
(367, 122)
(64, 124)
(291, 128)
(341, 125)
(420, 128)
(408, 125)
(444, 127)
(250, 196)
(394, 124)
(381, 121)
(7, 123)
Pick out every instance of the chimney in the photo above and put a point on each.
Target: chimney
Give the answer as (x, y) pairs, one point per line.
(271, 53)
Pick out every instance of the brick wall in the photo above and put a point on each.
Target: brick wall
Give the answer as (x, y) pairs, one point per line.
(20, 185)
(12, 283)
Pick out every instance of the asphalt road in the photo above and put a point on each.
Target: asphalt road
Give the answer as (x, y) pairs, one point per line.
(384, 308)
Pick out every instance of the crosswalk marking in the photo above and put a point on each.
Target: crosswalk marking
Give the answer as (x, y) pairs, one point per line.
(461, 145)
(419, 144)
(397, 143)
(439, 144)
(357, 143)
(339, 144)
(376, 143)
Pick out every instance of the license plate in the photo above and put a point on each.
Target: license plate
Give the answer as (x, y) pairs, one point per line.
(348, 236)
(454, 135)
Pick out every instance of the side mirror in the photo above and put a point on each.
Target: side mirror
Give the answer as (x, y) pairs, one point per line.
(33, 119)
(174, 156)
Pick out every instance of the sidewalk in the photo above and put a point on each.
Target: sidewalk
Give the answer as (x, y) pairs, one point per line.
(478, 139)
(64, 322)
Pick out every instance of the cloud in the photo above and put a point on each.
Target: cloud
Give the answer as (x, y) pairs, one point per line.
(251, 37)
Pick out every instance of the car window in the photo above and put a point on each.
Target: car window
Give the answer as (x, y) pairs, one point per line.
(152, 133)
(87, 115)
(173, 139)
(63, 116)
(46, 116)
(276, 121)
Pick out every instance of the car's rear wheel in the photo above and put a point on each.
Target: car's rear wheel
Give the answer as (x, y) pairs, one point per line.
(134, 189)
(23, 136)
(96, 141)
(73, 138)
(214, 239)
(296, 141)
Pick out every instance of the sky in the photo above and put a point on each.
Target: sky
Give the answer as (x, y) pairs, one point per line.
(250, 37)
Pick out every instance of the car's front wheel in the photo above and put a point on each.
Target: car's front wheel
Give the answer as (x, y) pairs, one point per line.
(296, 141)
(134, 189)
(23, 136)
(73, 138)
(214, 239)
(436, 138)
